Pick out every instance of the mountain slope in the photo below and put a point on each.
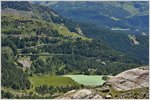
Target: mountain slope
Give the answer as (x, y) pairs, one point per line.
(41, 35)
(52, 46)
(126, 16)
(115, 22)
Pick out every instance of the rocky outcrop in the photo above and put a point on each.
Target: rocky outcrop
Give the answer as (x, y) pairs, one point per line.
(131, 79)
(25, 62)
(105, 89)
(81, 94)
(133, 39)
(108, 96)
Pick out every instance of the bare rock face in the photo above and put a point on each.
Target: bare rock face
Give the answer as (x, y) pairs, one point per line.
(105, 89)
(108, 97)
(82, 94)
(131, 79)
(25, 62)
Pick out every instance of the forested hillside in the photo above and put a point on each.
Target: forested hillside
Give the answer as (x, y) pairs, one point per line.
(131, 17)
(110, 22)
(37, 41)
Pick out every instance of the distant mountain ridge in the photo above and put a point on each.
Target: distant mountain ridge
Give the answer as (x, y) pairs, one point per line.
(131, 17)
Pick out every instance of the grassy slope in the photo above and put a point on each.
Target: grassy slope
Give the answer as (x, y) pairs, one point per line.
(65, 32)
(51, 80)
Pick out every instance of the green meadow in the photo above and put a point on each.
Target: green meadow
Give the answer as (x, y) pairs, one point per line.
(51, 80)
